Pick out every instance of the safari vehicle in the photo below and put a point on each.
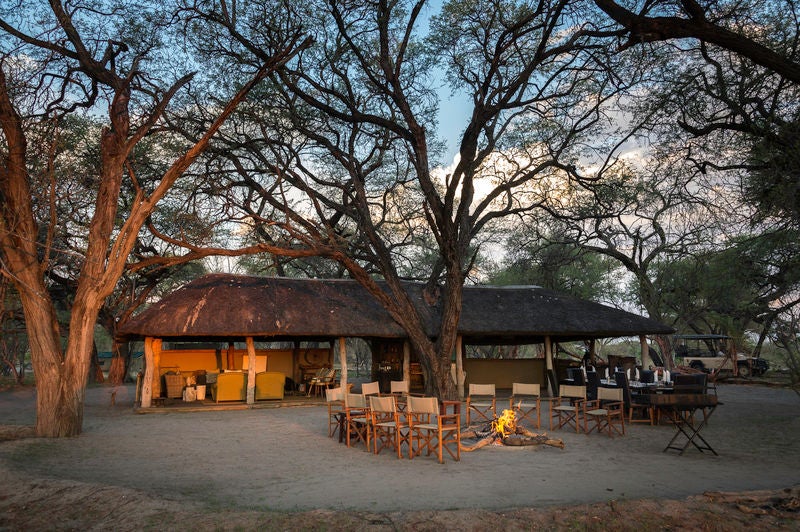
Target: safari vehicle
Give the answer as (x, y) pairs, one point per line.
(706, 352)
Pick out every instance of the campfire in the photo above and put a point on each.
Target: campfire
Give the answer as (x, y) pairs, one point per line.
(504, 430)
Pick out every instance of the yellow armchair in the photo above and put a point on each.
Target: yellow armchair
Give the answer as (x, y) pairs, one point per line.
(269, 385)
(230, 386)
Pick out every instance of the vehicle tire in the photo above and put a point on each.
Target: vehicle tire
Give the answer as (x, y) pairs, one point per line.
(744, 370)
(697, 365)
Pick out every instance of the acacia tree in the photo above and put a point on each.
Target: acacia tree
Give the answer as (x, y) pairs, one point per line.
(339, 152)
(746, 28)
(60, 61)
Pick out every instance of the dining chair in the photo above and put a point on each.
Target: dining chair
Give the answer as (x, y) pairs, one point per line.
(481, 400)
(566, 408)
(388, 430)
(525, 401)
(358, 419)
(607, 412)
(429, 428)
(638, 406)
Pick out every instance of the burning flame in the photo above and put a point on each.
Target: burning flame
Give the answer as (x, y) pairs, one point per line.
(506, 424)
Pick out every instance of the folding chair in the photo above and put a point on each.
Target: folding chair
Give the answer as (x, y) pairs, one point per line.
(526, 403)
(387, 429)
(566, 408)
(431, 429)
(484, 407)
(607, 412)
(358, 419)
(335, 399)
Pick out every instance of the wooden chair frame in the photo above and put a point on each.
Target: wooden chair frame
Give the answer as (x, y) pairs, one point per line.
(387, 428)
(567, 407)
(526, 402)
(357, 419)
(429, 428)
(335, 400)
(607, 412)
(485, 406)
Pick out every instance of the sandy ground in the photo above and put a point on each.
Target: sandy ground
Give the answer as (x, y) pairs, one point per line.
(277, 468)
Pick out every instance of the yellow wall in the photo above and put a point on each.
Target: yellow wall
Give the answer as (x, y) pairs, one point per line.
(503, 373)
(187, 361)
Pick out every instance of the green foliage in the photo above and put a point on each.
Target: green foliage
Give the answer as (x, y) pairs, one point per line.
(558, 267)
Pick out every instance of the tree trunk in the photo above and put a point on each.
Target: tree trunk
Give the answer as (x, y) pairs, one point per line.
(120, 361)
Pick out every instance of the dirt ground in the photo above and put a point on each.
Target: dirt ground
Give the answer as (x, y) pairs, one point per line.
(276, 469)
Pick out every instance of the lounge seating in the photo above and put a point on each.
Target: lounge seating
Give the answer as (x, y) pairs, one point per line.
(230, 386)
(270, 385)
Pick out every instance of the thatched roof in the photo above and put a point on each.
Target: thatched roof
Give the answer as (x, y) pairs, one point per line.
(221, 306)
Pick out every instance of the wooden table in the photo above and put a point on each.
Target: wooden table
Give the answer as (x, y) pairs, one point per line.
(681, 409)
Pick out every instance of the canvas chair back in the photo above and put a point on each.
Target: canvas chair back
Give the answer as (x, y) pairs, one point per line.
(519, 388)
(572, 391)
(334, 394)
(398, 386)
(356, 400)
(609, 394)
(371, 388)
(382, 404)
(481, 389)
(423, 405)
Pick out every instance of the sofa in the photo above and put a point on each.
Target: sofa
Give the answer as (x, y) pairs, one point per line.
(270, 385)
(230, 386)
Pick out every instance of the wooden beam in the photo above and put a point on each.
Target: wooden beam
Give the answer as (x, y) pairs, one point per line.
(251, 370)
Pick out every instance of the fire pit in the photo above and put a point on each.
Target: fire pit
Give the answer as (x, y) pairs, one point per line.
(504, 430)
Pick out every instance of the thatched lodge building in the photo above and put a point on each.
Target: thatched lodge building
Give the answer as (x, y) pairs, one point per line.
(219, 322)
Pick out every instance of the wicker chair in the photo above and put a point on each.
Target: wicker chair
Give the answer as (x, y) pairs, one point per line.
(174, 384)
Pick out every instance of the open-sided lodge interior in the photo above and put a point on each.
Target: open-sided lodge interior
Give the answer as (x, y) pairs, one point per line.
(220, 322)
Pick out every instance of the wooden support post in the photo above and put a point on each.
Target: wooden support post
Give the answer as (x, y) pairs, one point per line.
(343, 363)
(297, 374)
(646, 361)
(460, 376)
(548, 353)
(230, 359)
(251, 370)
(593, 351)
(149, 372)
(407, 362)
